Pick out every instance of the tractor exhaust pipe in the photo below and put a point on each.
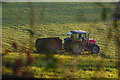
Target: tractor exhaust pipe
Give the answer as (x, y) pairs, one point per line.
(88, 37)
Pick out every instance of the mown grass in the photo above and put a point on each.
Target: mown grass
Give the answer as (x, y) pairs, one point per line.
(99, 31)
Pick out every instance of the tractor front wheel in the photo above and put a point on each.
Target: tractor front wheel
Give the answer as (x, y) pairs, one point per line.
(95, 49)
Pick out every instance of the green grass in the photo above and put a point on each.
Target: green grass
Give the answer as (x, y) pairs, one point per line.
(55, 20)
(57, 13)
(84, 68)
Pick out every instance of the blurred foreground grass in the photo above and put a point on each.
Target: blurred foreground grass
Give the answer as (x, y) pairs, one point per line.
(73, 66)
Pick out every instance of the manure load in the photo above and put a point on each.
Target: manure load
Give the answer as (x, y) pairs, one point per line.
(48, 44)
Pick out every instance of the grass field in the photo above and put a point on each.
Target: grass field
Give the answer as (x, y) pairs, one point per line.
(55, 20)
(67, 65)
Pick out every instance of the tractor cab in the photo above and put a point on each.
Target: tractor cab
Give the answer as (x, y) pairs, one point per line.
(78, 35)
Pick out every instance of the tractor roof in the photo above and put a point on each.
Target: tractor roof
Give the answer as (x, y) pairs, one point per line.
(78, 31)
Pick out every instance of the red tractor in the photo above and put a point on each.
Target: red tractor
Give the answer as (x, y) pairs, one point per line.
(79, 42)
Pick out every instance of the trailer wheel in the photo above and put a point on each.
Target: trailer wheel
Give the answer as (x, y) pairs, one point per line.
(66, 47)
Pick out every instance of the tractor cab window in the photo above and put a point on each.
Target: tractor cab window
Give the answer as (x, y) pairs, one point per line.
(75, 36)
(83, 36)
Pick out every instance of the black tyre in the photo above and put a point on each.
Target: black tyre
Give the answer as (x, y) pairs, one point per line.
(67, 47)
(67, 42)
(76, 47)
(95, 49)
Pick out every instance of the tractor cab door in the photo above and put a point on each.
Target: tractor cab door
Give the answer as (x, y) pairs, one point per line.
(74, 36)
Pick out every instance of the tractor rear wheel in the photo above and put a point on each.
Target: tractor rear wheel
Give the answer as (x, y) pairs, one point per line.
(76, 48)
(95, 49)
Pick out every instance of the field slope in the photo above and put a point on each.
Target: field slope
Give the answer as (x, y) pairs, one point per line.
(55, 20)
